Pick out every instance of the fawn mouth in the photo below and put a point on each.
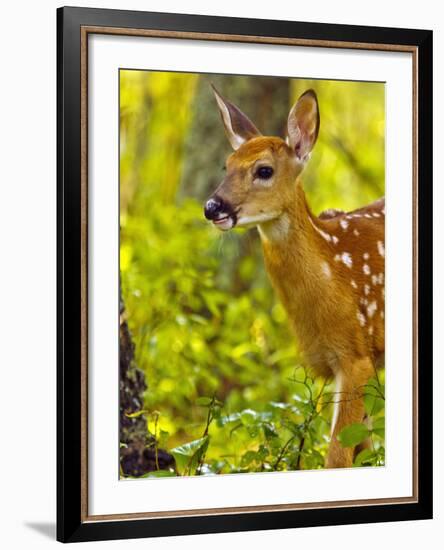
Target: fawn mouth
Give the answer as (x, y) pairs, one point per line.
(225, 221)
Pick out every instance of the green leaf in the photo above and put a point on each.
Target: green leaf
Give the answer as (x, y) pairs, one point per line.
(188, 455)
(353, 434)
(262, 452)
(163, 437)
(269, 431)
(379, 427)
(312, 460)
(248, 458)
(159, 473)
(253, 431)
(302, 405)
(373, 398)
(135, 414)
(204, 401)
(223, 420)
(211, 303)
(365, 458)
(248, 417)
(294, 427)
(199, 319)
(278, 405)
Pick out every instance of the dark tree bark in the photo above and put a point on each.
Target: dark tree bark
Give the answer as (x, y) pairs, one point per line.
(139, 453)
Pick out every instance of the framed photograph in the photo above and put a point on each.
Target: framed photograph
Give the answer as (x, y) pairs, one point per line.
(244, 274)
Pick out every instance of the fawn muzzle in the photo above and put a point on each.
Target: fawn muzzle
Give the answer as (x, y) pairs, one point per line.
(213, 208)
(220, 213)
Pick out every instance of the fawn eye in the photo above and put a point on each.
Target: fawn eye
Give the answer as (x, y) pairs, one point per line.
(264, 172)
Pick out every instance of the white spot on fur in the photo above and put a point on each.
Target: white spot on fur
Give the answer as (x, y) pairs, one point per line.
(381, 313)
(334, 239)
(360, 318)
(326, 269)
(330, 213)
(371, 308)
(367, 216)
(356, 232)
(366, 290)
(370, 330)
(363, 301)
(353, 284)
(381, 278)
(347, 259)
(344, 224)
(381, 248)
(366, 255)
(323, 234)
(376, 215)
(374, 279)
(366, 269)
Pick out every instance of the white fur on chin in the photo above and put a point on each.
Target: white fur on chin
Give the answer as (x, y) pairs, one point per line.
(224, 225)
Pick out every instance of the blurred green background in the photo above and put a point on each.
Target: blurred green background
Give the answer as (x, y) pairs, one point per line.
(226, 389)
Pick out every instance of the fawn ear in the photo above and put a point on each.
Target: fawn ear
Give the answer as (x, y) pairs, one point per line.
(238, 126)
(303, 124)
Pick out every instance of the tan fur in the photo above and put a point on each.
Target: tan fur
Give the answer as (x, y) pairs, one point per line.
(328, 272)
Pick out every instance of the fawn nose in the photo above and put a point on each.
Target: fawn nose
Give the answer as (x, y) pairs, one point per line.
(213, 207)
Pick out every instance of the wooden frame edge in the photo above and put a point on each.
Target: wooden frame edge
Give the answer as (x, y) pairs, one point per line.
(84, 271)
(253, 39)
(199, 512)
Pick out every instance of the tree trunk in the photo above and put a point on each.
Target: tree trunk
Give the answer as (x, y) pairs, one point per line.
(139, 453)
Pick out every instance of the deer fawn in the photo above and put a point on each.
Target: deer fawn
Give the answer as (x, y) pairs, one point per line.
(328, 271)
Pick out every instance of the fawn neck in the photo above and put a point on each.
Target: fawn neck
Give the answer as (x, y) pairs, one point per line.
(292, 242)
(296, 257)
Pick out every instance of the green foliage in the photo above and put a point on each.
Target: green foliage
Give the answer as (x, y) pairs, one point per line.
(159, 474)
(353, 435)
(374, 399)
(368, 457)
(226, 390)
(189, 456)
(373, 431)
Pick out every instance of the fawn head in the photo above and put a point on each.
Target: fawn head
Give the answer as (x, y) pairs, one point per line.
(261, 172)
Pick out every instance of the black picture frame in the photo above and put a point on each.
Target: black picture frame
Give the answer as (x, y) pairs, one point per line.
(71, 523)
